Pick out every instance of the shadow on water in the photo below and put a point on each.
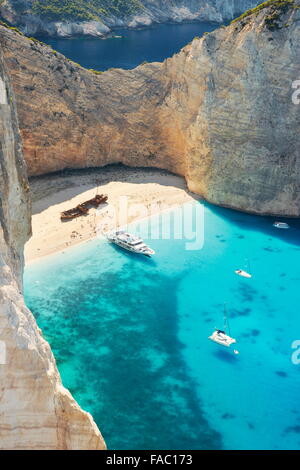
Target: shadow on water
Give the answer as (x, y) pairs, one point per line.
(226, 356)
(257, 223)
(146, 260)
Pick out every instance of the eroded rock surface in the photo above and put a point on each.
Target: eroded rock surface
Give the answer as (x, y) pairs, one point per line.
(36, 411)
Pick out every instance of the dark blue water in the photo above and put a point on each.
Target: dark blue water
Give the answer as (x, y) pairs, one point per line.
(132, 47)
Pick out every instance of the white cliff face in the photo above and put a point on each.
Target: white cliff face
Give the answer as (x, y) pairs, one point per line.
(237, 114)
(229, 9)
(3, 93)
(194, 10)
(86, 28)
(152, 11)
(36, 411)
(34, 26)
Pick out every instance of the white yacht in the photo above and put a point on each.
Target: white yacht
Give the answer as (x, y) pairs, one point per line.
(130, 242)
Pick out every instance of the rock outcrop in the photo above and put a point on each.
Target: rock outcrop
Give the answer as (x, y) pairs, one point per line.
(36, 411)
(138, 13)
(219, 113)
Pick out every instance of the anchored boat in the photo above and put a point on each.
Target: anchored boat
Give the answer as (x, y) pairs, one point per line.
(221, 337)
(242, 273)
(281, 225)
(130, 242)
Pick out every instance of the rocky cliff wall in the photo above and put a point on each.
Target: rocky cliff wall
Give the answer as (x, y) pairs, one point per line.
(145, 13)
(36, 411)
(219, 113)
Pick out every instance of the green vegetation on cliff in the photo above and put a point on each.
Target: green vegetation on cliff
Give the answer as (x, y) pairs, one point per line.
(84, 10)
(279, 5)
(12, 28)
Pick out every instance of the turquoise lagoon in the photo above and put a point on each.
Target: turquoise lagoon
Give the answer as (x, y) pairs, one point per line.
(130, 335)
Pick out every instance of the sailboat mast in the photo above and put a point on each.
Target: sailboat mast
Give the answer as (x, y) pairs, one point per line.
(248, 265)
(226, 323)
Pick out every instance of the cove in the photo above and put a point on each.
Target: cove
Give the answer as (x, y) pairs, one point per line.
(131, 47)
(130, 335)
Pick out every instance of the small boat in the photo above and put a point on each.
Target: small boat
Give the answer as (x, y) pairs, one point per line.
(242, 273)
(130, 242)
(281, 225)
(221, 337)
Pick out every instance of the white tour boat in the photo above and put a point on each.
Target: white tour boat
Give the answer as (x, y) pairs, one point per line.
(130, 242)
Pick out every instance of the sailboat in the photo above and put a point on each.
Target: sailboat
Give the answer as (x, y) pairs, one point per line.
(241, 272)
(220, 336)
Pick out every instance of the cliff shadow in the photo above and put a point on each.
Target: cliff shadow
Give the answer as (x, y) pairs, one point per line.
(55, 188)
(260, 223)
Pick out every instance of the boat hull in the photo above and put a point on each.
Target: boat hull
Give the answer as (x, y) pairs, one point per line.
(128, 248)
(222, 339)
(243, 274)
(281, 226)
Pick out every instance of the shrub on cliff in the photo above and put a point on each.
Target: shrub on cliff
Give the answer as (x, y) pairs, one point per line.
(281, 5)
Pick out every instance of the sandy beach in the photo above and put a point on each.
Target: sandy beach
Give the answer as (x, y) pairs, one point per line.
(132, 194)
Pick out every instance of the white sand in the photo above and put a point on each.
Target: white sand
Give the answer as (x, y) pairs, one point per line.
(152, 190)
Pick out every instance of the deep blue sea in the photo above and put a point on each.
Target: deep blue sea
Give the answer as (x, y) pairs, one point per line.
(130, 335)
(131, 47)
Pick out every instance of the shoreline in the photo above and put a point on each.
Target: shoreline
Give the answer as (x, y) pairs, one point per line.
(119, 28)
(116, 28)
(77, 244)
(144, 192)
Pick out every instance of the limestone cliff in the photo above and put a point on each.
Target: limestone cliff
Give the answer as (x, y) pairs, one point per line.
(36, 411)
(98, 17)
(219, 113)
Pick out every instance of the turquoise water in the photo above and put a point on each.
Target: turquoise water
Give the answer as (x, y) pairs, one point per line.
(131, 47)
(130, 335)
